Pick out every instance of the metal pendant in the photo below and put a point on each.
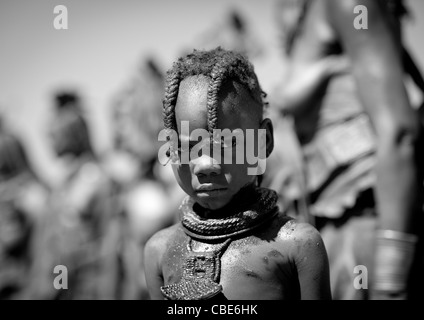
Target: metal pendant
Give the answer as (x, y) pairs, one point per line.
(200, 278)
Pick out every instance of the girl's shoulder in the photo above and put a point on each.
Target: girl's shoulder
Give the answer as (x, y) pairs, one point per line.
(161, 239)
(288, 230)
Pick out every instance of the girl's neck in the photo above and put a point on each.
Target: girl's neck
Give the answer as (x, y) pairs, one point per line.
(240, 202)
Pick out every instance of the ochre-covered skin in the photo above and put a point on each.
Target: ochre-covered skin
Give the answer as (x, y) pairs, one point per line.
(280, 259)
(284, 260)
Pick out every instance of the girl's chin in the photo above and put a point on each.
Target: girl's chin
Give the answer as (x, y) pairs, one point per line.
(212, 204)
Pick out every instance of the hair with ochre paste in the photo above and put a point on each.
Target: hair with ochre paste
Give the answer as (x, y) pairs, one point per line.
(219, 65)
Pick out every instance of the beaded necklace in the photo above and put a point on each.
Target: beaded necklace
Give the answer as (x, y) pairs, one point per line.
(255, 207)
(202, 269)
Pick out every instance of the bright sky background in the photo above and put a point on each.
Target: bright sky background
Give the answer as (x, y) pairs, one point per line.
(104, 44)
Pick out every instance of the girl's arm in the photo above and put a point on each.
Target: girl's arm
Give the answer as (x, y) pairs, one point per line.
(312, 263)
(152, 266)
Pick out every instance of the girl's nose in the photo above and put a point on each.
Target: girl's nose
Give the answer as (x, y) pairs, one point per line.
(206, 166)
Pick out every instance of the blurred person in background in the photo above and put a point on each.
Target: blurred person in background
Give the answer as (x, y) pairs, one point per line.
(235, 33)
(148, 193)
(23, 204)
(82, 231)
(357, 138)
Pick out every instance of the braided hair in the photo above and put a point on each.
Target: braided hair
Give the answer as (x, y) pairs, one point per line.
(219, 65)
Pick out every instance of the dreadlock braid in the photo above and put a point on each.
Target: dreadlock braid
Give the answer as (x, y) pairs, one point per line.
(218, 65)
(171, 93)
(217, 76)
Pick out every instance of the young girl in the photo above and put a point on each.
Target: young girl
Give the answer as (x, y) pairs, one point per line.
(233, 241)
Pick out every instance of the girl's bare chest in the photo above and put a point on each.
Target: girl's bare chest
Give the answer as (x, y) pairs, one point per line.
(240, 267)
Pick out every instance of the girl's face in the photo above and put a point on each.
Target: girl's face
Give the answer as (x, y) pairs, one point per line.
(206, 178)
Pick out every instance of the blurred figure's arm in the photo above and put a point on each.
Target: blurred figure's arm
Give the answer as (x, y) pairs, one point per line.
(376, 57)
(304, 80)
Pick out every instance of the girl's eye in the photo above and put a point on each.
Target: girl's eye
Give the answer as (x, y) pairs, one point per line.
(184, 147)
(232, 144)
(183, 150)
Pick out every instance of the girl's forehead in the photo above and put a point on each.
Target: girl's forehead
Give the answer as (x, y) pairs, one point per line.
(234, 103)
(191, 103)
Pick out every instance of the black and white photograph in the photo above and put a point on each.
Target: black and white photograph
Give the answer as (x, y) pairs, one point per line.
(243, 150)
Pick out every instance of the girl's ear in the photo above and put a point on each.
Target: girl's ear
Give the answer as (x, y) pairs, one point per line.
(267, 125)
